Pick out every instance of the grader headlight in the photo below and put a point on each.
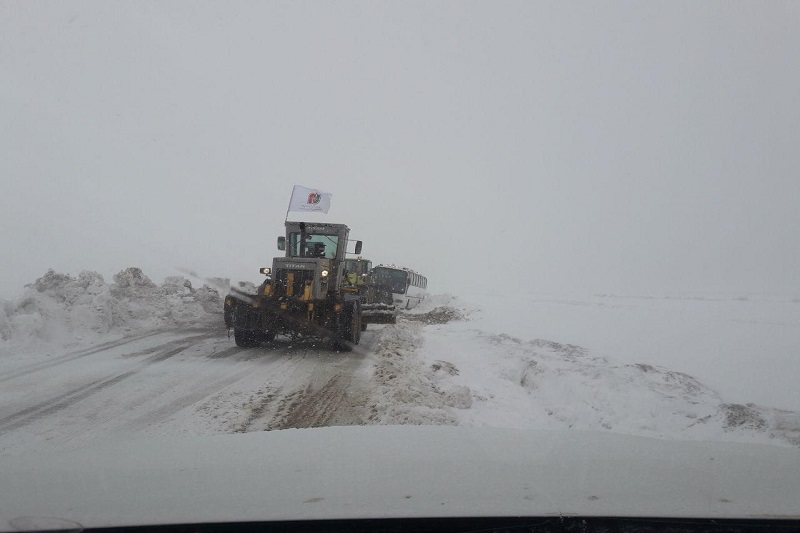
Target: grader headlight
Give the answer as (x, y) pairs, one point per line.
(324, 273)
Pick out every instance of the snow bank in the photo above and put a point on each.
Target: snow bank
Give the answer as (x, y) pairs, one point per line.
(542, 384)
(437, 366)
(405, 389)
(403, 392)
(744, 347)
(62, 310)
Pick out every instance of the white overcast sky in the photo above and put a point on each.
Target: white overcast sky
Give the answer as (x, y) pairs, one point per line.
(628, 147)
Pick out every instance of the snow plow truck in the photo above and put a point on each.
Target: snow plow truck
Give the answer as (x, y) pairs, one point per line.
(305, 294)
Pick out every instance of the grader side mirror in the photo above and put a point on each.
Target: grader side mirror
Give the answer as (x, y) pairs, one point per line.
(358, 247)
(281, 243)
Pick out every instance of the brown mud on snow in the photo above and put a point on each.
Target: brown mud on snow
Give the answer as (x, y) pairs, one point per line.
(438, 315)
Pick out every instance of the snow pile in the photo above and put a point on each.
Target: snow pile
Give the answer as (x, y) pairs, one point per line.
(405, 389)
(545, 384)
(59, 309)
(439, 305)
(438, 315)
(436, 367)
(744, 349)
(57, 306)
(138, 302)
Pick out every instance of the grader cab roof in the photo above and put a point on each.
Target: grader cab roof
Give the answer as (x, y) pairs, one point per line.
(323, 228)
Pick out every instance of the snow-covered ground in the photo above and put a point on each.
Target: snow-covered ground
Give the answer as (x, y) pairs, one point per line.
(82, 359)
(493, 378)
(470, 371)
(744, 346)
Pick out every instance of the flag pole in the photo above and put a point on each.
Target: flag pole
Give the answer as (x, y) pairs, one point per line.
(289, 206)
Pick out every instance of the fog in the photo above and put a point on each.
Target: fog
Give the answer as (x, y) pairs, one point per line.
(632, 148)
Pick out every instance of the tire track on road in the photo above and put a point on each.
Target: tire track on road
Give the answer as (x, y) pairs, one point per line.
(65, 400)
(280, 386)
(316, 408)
(195, 395)
(42, 365)
(26, 416)
(327, 398)
(92, 350)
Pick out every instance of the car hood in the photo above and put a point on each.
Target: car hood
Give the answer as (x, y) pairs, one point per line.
(395, 472)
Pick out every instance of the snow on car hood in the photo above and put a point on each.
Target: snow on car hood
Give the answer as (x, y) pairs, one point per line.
(397, 472)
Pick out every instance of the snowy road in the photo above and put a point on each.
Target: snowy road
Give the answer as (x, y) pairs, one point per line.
(83, 361)
(177, 382)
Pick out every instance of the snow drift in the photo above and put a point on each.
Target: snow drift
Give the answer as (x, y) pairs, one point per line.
(62, 310)
(437, 366)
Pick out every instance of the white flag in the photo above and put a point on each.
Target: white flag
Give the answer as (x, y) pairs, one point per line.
(305, 199)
